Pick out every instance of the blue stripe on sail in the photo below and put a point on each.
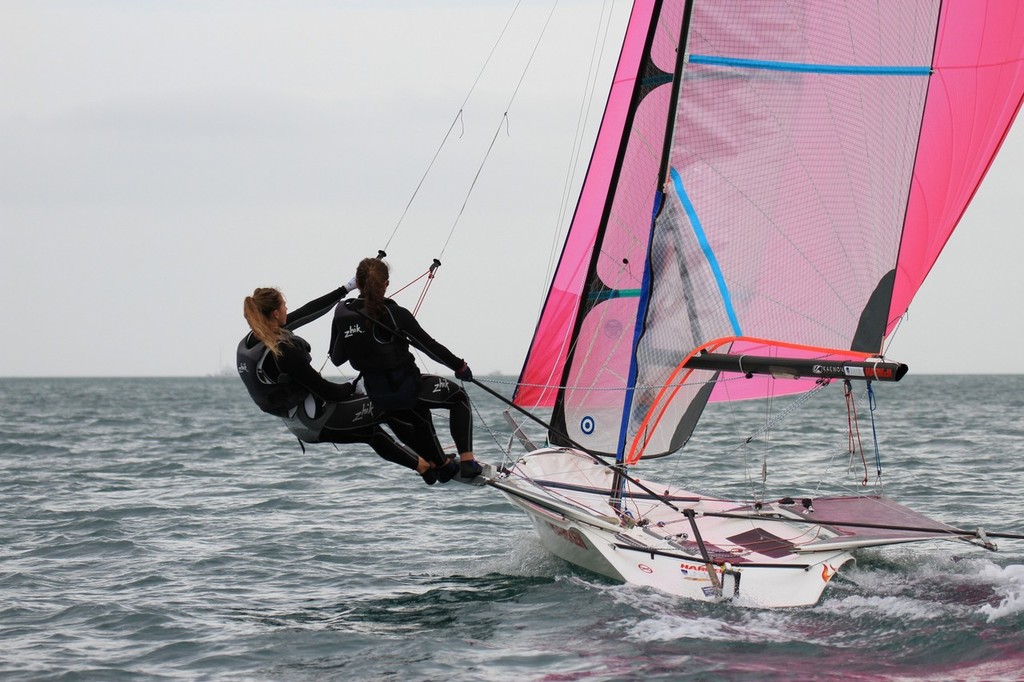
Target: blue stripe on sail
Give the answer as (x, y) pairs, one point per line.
(702, 239)
(612, 293)
(638, 329)
(842, 69)
(654, 81)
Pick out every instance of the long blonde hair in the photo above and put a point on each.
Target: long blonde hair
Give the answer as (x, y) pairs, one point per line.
(372, 277)
(258, 309)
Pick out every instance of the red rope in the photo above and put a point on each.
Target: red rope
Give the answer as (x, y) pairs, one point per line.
(853, 428)
(410, 284)
(429, 274)
(423, 294)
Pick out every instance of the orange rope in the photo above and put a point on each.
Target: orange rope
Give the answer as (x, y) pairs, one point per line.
(670, 388)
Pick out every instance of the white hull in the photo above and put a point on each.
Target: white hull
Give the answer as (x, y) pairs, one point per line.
(769, 558)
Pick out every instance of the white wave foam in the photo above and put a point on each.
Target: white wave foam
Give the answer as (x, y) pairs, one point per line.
(733, 625)
(902, 608)
(1008, 583)
(666, 628)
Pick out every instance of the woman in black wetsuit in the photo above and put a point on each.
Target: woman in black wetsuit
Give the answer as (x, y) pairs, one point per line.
(274, 364)
(373, 334)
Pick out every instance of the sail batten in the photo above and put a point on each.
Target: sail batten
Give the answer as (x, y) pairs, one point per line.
(804, 67)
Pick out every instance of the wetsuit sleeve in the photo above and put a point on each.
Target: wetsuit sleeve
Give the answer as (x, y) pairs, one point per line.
(337, 348)
(293, 362)
(315, 309)
(422, 340)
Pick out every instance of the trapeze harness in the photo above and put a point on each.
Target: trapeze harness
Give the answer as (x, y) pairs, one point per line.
(389, 370)
(282, 397)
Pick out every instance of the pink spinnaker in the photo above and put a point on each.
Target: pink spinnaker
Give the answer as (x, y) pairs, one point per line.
(788, 186)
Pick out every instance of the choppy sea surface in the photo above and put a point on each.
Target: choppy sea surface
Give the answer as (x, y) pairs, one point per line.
(166, 529)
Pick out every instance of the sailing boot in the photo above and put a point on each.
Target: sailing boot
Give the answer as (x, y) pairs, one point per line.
(470, 469)
(447, 471)
(428, 473)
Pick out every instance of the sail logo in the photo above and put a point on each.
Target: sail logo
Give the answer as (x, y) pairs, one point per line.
(861, 372)
(353, 330)
(588, 425)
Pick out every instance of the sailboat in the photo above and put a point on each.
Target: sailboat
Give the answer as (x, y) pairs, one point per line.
(770, 185)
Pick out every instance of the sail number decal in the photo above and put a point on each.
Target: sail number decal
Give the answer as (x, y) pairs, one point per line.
(587, 425)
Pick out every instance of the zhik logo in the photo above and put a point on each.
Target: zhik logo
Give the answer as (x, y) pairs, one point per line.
(365, 412)
(353, 330)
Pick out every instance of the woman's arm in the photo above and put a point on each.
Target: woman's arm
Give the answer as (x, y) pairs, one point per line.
(315, 309)
(294, 363)
(422, 340)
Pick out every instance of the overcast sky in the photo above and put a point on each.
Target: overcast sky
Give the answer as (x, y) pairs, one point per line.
(159, 160)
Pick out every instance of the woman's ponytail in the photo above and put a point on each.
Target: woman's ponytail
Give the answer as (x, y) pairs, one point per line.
(257, 310)
(372, 277)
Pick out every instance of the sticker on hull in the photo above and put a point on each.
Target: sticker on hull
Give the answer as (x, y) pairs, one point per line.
(695, 571)
(569, 535)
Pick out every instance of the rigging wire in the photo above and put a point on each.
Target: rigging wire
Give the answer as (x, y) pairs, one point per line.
(426, 287)
(853, 439)
(769, 404)
(458, 116)
(601, 35)
(874, 433)
(559, 234)
(502, 122)
(895, 330)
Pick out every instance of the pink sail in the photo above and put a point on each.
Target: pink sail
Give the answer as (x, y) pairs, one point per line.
(771, 178)
(545, 363)
(974, 96)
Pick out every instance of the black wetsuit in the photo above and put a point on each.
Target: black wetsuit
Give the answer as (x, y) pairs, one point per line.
(313, 408)
(393, 380)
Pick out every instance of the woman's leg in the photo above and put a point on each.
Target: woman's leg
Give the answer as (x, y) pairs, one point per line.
(355, 421)
(439, 393)
(415, 428)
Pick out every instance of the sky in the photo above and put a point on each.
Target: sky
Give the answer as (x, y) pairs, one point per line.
(159, 160)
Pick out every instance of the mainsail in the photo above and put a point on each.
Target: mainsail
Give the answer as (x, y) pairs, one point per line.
(773, 179)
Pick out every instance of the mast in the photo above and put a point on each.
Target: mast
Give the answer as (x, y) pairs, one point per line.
(663, 168)
(677, 84)
(619, 481)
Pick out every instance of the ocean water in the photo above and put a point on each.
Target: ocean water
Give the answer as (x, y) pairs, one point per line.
(166, 529)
